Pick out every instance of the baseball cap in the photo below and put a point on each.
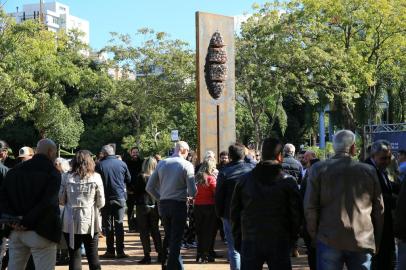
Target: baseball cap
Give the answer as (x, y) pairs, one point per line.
(25, 152)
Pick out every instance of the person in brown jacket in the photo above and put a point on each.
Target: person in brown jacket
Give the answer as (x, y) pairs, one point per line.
(344, 208)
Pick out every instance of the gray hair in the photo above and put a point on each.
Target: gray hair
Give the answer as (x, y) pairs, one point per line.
(380, 146)
(209, 154)
(289, 149)
(181, 145)
(44, 145)
(108, 150)
(343, 140)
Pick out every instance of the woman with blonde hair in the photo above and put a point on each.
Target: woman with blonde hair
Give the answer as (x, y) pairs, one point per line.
(82, 194)
(205, 215)
(147, 212)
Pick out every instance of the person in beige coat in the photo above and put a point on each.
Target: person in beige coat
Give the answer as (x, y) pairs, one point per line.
(344, 208)
(82, 194)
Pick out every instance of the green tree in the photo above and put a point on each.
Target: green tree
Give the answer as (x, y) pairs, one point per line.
(346, 54)
(154, 102)
(47, 80)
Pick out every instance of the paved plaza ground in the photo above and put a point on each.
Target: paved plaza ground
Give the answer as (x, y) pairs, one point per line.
(134, 249)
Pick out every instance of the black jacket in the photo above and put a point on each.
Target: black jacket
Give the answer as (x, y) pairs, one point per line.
(3, 172)
(115, 176)
(31, 190)
(400, 214)
(135, 167)
(292, 167)
(141, 196)
(266, 206)
(226, 181)
(389, 194)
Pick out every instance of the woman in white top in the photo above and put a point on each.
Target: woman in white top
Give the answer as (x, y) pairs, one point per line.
(82, 194)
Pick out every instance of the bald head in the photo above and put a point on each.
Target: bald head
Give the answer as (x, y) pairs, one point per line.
(48, 148)
(308, 156)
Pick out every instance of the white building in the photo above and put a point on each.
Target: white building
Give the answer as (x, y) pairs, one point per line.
(56, 17)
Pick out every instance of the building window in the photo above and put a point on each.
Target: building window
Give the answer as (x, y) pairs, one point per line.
(55, 20)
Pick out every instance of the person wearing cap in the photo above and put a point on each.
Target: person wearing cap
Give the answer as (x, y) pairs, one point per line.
(25, 153)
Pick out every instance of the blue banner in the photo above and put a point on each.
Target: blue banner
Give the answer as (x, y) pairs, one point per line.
(397, 139)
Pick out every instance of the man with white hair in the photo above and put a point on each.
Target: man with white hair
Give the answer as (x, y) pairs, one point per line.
(290, 165)
(344, 208)
(30, 193)
(171, 184)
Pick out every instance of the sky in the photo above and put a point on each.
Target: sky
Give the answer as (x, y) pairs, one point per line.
(175, 17)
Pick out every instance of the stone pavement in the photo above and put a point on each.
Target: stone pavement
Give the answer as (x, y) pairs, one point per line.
(134, 249)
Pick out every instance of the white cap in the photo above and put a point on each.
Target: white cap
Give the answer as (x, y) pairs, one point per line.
(25, 152)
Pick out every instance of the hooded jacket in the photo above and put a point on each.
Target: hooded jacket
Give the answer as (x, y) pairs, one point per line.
(266, 205)
(226, 181)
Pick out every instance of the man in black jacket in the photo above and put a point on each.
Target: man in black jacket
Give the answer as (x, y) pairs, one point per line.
(266, 212)
(115, 176)
(381, 155)
(134, 165)
(400, 226)
(290, 165)
(30, 192)
(226, 181)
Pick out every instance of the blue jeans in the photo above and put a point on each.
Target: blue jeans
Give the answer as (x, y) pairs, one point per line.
(233, 255)
(276, 253)
(173, 216)
(401, 255)
(329, 258)
(112, 220)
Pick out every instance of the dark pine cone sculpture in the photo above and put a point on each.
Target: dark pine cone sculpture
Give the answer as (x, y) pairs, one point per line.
(216, 68)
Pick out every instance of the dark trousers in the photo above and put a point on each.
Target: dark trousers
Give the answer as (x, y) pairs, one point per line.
(206, 225)
(311, 251)
(148, 220)
(91, 247)
(276, 253)
(385, 259)
(113, 215)
(220, 228)
(132, 224)
(173, 216)
(189, 234)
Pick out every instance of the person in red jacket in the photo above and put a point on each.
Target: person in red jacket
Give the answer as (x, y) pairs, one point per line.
(205, 214)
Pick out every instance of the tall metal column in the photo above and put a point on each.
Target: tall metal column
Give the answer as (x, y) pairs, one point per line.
(322, 132)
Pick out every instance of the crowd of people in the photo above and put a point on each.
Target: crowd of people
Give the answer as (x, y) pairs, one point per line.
(348, 212)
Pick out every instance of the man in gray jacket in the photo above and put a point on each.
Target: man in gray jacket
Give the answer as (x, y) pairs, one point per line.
(171, 184)
(344, 208)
